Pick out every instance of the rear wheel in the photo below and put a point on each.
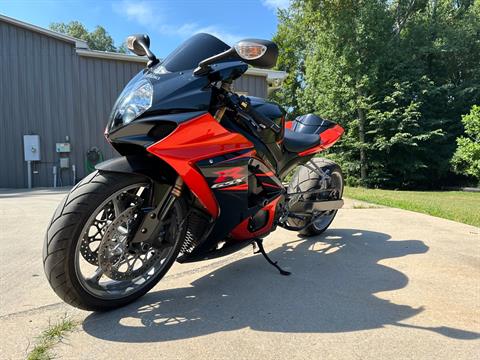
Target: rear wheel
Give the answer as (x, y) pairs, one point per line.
(308, 178)
(88, 258)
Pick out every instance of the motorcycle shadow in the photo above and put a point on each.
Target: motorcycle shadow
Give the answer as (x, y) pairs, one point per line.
(332, 289)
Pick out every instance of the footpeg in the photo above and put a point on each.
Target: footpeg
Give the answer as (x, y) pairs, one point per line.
(259, 243)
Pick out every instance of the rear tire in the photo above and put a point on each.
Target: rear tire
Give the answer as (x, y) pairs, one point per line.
(305, 179)
(67, 229)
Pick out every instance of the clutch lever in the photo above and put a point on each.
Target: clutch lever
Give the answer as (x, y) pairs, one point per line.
(252, 123)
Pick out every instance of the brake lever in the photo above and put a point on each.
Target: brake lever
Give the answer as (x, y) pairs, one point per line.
(250, 121)
(256, 117)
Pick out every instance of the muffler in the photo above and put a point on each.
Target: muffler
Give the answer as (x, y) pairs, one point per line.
(308, 207)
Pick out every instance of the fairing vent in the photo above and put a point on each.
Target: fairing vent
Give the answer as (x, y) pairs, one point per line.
(196, 226)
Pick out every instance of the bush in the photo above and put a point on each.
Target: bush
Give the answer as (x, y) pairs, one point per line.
(466, 160)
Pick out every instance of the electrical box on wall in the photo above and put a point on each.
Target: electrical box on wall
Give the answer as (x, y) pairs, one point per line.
(62, 147)
(31, 147)
(64, 162)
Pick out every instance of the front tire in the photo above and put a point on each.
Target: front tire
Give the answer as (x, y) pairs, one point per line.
(85, 214)
(307, 178)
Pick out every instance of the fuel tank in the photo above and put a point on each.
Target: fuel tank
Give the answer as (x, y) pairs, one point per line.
(273, 111)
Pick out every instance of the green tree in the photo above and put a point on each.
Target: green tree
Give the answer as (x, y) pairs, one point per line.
(123, 49)
(466, 159)
(291, 57)
(98, 39)
(397, 75)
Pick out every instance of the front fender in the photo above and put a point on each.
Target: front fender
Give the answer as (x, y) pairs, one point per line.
(141, 164)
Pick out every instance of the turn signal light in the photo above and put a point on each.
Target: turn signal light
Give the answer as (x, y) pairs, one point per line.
(249, 50)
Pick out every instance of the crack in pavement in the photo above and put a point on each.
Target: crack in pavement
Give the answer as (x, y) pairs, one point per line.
(229, 259)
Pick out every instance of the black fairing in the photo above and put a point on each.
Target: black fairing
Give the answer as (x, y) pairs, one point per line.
(273, 111)
(311, 124)
(258, 189)
(141, 164)
(273, 154)
(183, 91)
(192, 51)
(148, 130)
(175, 88)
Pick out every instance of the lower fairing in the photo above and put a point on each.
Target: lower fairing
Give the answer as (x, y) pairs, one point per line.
(248, 195)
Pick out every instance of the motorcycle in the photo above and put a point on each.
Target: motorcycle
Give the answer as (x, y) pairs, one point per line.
(201, 175)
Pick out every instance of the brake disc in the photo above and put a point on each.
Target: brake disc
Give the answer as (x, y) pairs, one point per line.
(117, 260)
(97, 228)
(95, 234)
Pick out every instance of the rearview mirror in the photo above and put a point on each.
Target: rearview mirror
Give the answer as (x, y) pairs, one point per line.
(256, 52)
(139, 44)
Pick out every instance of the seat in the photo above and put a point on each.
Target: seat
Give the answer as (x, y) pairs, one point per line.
(298, 142)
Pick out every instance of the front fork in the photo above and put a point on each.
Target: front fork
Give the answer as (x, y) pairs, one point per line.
(153, 218)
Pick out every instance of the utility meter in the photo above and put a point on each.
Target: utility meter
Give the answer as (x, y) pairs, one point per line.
(31, 147)
(62, 147)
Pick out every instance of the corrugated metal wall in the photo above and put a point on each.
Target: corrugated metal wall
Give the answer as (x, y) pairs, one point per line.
(47, 89)
(252, 85)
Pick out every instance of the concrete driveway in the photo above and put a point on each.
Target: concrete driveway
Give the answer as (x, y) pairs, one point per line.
(381, 283)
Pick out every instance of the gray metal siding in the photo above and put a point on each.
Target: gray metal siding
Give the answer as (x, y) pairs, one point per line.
(47, 89)
(34, 100)
(252, 85)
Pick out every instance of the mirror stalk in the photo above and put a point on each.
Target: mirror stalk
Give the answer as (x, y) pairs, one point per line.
(140, 45)
(204, 65)
(152, 59)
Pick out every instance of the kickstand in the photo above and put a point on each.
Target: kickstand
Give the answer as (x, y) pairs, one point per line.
(259, 243)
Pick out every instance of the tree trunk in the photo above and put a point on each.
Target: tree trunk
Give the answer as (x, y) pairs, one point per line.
(361, 137)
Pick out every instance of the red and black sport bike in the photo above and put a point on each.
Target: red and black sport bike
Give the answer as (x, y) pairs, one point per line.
(200, 176)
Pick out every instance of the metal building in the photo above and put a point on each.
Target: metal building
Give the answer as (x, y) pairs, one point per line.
(54, 86)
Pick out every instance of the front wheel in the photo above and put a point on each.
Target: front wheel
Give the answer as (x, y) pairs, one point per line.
(88, 258)
(316, 175)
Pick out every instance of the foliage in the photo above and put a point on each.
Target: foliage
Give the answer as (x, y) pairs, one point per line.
(467, 156)
(98, 39)
(453, 205)
(51, 336)
(398, 75)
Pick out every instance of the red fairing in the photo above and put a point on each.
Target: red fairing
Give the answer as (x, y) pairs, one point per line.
(327, 139)
(241, 232)
(197, 139)
(229, 174)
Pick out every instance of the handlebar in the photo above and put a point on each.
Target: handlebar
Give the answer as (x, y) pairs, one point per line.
(245, 110)
(263, 120)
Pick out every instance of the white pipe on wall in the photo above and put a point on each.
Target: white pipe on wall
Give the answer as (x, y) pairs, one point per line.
(74, 170)
(29, 171)
(54, 171)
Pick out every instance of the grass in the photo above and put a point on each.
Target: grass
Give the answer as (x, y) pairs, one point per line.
(49, 337)
(458, 206)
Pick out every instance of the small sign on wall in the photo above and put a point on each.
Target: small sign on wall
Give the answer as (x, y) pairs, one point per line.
(62, 147)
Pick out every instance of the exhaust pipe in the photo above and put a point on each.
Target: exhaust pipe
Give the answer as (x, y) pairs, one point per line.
(305, 207)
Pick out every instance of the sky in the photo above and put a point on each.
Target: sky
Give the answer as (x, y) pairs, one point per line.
(167, 22)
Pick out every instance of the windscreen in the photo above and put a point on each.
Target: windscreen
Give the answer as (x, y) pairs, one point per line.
(192, 51)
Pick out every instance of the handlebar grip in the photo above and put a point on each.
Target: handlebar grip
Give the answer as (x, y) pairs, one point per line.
(264, 120)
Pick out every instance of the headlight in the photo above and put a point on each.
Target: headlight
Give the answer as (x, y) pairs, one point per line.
(133, 102)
